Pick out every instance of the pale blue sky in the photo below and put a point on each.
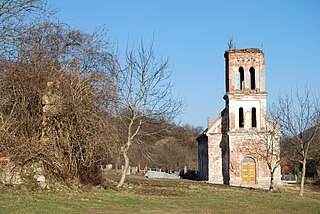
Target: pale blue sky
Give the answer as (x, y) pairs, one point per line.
(193, 34)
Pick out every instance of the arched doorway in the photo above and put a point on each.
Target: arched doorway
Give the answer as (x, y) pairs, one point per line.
(248, 171)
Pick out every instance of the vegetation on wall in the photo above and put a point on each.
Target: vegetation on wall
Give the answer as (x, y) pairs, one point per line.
(69, 101)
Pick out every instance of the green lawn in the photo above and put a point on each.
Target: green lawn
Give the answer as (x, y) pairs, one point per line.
(161, 196)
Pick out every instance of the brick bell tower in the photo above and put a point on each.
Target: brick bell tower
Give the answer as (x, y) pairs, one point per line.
(245, 89)
(245, 112)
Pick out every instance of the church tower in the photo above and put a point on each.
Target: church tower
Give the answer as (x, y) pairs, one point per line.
(245, 113)
(245, 89)
(227, 149)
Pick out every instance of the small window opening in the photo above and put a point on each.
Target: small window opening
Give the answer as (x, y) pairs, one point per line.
(254, 117)
(252, 78)
(241, 119)
(241, 78)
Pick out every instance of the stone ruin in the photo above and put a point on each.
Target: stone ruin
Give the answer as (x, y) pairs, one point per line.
(10, 173)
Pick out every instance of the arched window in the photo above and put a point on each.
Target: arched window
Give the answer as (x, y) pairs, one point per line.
(252, 78)
(254, 117)
(241, 78)
(241, 119)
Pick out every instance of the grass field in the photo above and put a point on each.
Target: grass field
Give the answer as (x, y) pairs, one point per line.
(161, 196)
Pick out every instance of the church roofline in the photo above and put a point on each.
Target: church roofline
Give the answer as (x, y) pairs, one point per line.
(217, 118)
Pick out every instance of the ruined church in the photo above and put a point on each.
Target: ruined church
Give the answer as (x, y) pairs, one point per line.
(227, 149)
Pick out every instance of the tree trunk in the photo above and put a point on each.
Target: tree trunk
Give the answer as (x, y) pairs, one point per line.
(124, 150)
(303, 175)
(271, 180)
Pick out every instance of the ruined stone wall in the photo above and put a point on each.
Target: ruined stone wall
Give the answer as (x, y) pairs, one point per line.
(227, 169)
(215, 144)
(215, 158)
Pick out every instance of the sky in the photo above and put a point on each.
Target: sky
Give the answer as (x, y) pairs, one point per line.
(193, 35)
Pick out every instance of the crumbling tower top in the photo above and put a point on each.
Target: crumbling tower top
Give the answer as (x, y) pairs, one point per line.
(245, 70)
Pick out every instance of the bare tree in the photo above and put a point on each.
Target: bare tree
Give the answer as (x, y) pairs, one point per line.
(15, 18)
(299, 116)
(267, 148)
(144, 91)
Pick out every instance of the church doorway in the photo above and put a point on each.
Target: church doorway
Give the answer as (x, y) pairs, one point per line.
(248, 171)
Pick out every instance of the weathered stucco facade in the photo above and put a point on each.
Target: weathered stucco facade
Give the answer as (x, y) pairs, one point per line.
(230, 148)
